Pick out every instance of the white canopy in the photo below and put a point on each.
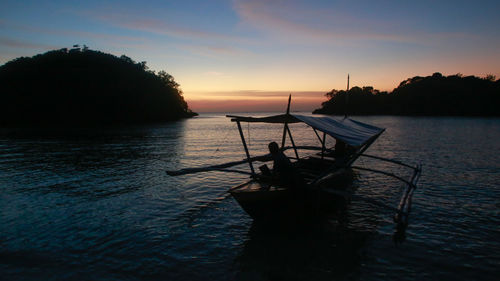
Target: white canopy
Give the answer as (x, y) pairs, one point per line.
(352, 132)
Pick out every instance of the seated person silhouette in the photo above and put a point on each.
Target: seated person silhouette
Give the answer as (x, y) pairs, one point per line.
(287, 175)
(340, 148)
(342, 152)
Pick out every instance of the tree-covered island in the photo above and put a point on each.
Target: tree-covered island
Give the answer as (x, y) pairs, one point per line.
(435, 95)
(81, 86)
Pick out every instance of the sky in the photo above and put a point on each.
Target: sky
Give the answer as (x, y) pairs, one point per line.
(236, 55)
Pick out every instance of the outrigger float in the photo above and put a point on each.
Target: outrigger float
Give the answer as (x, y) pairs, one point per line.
(324, 172)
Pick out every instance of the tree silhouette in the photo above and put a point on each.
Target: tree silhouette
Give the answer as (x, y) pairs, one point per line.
(435, 95)
(82, 86)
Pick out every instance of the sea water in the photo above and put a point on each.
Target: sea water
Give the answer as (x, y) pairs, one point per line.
(96, 204)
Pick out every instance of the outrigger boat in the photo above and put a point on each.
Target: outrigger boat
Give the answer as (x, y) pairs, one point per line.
(324, 172)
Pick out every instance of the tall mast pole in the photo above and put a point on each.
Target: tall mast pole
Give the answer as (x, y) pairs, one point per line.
(346, 97)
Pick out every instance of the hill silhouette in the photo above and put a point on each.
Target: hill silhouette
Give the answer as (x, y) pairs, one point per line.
(82, 86)
(434, 95)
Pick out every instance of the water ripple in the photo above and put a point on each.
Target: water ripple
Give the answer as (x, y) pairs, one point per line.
(96, 204)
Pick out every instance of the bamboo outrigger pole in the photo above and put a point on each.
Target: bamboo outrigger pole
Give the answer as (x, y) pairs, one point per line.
(223, 167)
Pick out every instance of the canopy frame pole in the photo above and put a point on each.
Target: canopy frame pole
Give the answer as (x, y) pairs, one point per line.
(293, 143)
(351, 160)
(245, 146)
(364, 148)
(319, 138)
(285, 127)
(323, 146)
(284, 136)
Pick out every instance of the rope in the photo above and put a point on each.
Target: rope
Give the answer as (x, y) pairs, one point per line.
(248, 130)
(223, 141)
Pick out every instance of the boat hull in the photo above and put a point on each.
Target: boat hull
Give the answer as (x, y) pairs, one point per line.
(264, 202)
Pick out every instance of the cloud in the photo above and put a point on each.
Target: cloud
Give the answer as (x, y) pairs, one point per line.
(202, 42)
(13, 43)
(114, 39)
(260, 94)
(251, 105)
(294, 21)
(214, 73)
(156, 26)
(213, 50)
(253, 100)
(103, 36)
(303, 23)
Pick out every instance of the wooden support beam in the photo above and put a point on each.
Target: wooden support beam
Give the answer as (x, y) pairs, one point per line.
(293, 143)
(245, 146)
(323, 146)
(285, 126)
(319, 138)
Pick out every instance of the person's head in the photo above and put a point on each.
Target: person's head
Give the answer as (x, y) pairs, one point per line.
(273, 147)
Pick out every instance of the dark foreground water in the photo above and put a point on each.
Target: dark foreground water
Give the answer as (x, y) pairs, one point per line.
(96, 204)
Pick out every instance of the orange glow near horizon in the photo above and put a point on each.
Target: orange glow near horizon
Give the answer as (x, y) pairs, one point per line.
(251, 101)
(302, 100)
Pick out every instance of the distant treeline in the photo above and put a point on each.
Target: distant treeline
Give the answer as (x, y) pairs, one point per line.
(435, 95)
(82, 86)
